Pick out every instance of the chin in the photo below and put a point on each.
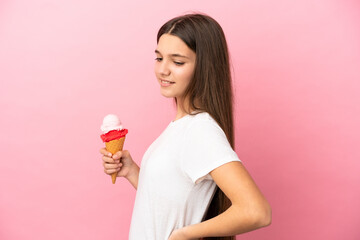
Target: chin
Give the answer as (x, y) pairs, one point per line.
(167, 95)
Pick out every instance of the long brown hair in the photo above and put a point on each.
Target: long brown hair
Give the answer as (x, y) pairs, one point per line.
(210, 89)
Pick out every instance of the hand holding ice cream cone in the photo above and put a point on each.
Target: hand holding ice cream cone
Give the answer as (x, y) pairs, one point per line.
(113, 136)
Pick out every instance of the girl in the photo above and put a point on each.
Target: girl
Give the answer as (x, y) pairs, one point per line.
(191, 184)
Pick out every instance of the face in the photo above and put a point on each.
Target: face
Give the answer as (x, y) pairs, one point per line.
(174, 66)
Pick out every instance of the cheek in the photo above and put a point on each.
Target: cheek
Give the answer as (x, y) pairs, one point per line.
(156, 68)
(184, 75)
(188, 77)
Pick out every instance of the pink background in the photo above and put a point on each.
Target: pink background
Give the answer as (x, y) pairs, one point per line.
(66, 64)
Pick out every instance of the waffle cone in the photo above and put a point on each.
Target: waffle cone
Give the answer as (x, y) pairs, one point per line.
(114, 146)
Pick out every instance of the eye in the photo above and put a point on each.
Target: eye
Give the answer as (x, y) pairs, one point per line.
(179, 63)
(158, 59)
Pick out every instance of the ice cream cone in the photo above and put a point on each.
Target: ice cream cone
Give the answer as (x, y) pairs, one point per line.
(114, 146)
(113, 136)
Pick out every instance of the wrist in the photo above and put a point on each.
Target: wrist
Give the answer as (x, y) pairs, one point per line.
(133, 175)
(179, 234)
(184, 232)
(134, 171)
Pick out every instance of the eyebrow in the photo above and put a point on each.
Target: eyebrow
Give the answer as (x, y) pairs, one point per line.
(173, 55)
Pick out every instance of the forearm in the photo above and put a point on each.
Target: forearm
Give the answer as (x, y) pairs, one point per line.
(133, 176)
(231, 222)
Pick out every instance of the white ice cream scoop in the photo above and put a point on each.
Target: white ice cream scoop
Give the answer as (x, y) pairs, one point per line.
(111, 122)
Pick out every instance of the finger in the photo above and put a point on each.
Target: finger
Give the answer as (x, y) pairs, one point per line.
(121, 154)
(118, 155)
(104, 152)
(110, 171)
(108, 159)
(111, 166)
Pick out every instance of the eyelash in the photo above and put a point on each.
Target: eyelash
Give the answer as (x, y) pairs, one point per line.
(176, 63)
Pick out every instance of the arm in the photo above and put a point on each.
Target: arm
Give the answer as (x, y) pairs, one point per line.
(133, 176)
(249, 209)
(122, 163)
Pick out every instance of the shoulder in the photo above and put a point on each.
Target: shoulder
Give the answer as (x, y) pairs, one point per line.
(205, 147)
(204, 119)
(204, 125)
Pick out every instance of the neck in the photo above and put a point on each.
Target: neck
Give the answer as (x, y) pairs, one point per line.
(182, 109)
(180, 112)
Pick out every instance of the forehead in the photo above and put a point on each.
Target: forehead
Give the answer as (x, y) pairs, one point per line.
(170, 44)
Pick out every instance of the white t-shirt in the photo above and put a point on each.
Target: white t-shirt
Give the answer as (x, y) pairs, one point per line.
(175, 187)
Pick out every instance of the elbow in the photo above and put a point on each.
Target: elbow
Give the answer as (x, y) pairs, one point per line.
(263, 217)
(254, 217)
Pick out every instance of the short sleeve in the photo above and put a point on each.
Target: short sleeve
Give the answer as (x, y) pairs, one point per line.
(205, 148)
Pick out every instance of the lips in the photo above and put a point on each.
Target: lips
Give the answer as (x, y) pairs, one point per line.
(165, 83)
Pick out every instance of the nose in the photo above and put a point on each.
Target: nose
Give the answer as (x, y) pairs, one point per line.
(163, 68)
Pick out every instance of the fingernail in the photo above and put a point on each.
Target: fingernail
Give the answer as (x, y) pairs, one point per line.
(109, 154)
